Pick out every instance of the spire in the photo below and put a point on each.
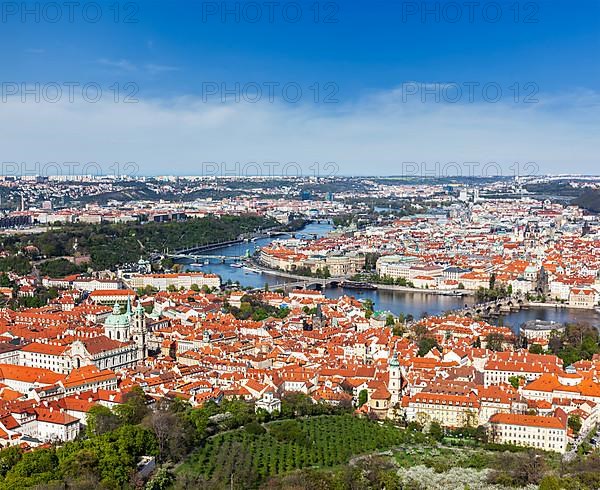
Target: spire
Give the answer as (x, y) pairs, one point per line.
(139, 308)
(116, 309)
(128, 312)
(394, 361)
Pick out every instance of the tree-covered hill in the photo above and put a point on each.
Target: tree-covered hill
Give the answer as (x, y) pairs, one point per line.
(112, 244)
(590, 200)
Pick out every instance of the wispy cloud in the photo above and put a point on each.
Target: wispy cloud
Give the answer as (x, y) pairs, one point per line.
(129, 66)
(154, 69)
(121, 64)
(376, 134)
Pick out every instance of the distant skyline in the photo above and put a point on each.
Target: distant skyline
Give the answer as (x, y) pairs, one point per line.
(387, 88)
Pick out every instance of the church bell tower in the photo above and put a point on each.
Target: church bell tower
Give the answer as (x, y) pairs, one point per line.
(395, 380)
(139, 332)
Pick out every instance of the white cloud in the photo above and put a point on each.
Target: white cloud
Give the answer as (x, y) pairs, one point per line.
(121, 64)
(126, 65)
(153, 68)
(370, 136)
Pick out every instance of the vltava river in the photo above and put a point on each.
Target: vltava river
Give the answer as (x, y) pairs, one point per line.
(413, 303)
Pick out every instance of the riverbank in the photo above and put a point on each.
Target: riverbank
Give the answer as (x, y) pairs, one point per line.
(395, 299)
(564, 306)
(439, 292)
(385, 287)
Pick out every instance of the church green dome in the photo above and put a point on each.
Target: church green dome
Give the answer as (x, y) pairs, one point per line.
(116, 318)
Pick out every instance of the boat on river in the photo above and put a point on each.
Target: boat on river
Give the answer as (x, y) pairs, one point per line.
(357, 285)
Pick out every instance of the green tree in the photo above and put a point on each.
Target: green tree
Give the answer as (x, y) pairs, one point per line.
(574, 422)
(100, 419)
(5, 281)
(9, 457)
(550, 482)
(436, 431)
(40, 464)
(425, 345)
(162, 480)
(495, 341)
(363, 397)
(515, 381)
(536, 349)
(81, 464)
(59, 268)
(134, 408)
(369, 307)
(288, 431)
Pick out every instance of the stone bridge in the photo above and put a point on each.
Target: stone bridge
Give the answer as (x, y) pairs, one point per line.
(495, 308)
(308, 283)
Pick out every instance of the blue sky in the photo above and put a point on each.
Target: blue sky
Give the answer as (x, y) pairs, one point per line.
(379, 85)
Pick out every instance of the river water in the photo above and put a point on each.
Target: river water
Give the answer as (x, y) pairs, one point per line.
(413, 303)
(248, 278)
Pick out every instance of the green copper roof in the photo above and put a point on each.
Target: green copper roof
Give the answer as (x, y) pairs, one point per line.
(116, 318)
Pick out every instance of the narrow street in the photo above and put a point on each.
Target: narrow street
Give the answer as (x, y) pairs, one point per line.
(570, 455)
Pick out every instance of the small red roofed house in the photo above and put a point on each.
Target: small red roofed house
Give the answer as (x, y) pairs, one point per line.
(26, 291)
(55, 425)
(298, 294)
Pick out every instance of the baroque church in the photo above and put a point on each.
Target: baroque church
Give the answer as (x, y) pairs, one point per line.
(128, 327)
(122, 345)
(385, 398)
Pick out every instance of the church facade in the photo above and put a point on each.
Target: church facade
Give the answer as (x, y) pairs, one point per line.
(123, 345)
(129, 327)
